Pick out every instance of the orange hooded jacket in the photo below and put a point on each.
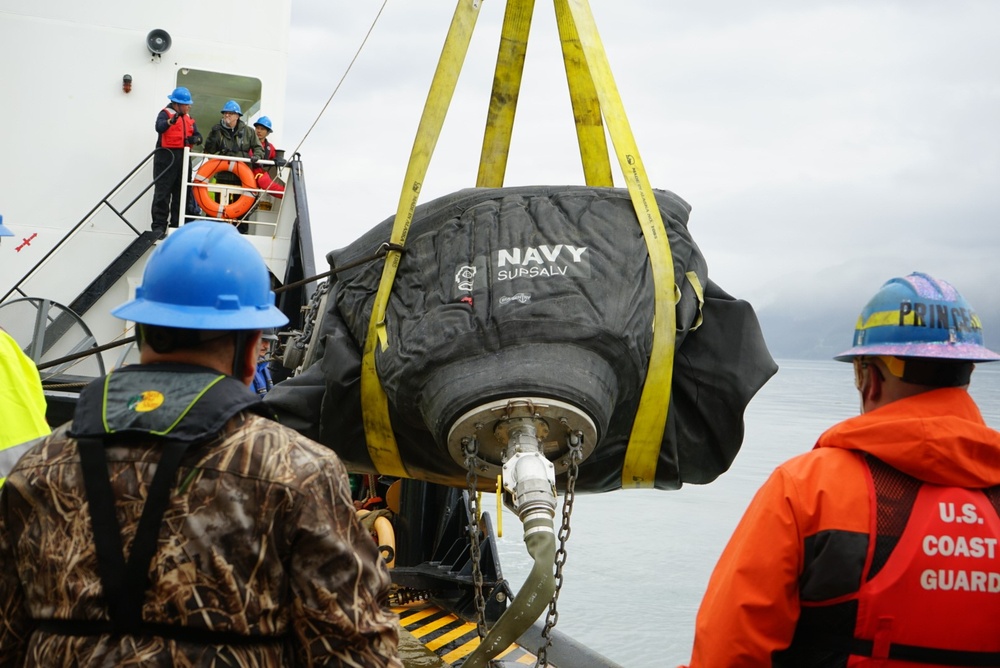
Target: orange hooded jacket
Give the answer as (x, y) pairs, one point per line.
(752, 604)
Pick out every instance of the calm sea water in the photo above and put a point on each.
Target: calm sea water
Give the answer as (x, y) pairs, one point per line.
(638, 561)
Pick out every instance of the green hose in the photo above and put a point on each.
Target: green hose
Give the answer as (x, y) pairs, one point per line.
(533, 597)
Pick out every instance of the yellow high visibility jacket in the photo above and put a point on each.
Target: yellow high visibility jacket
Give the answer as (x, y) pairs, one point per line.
(22, 403)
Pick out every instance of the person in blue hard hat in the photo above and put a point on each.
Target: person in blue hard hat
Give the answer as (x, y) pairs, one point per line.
(880, 546)
(175, 129)
(241, 543)
(263, 127)
(232, 137)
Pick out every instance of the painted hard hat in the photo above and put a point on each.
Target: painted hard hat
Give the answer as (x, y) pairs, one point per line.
(922, 317)
(180, 95)
(231, 106)
(264, 121)
(205, 276)
(4, 230)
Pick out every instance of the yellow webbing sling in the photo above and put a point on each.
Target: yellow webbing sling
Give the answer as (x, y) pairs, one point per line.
(592, 89)
(642, 453)
(506, 87)
(382, 447)
(503, 98)
(585, 101)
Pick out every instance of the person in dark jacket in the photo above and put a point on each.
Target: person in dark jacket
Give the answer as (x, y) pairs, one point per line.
(175, 129)
(172, 522)
(232, 137)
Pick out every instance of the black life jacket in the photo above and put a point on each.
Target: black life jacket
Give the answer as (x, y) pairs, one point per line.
(177, 408)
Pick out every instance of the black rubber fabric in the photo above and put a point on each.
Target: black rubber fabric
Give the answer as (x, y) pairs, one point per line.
(532, 291)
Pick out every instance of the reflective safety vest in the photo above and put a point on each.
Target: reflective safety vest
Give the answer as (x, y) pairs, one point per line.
(174, 135)
(930, 593)
(22, 403)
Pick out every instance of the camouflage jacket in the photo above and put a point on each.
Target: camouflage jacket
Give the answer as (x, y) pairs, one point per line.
(259, 541)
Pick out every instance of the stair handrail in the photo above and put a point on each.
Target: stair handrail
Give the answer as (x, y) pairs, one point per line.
(90, 214)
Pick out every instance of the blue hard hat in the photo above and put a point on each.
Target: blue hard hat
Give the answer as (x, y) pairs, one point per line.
(4, 230)
(265, 122)
(922, 317)
(205, 276)
(180, 95)
(231, 106)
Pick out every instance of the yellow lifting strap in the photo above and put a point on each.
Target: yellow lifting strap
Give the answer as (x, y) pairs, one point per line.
(506, 87)
(586, 104)
(643, 451)
(382, 447)
(592, 89)
(593, 94)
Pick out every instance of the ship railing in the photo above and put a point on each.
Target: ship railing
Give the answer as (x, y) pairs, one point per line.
(263, 216)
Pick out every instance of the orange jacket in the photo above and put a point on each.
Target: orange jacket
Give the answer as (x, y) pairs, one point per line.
(752, 604)
(176, 135)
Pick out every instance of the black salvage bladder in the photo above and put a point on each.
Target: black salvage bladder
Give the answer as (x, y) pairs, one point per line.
(536, 299)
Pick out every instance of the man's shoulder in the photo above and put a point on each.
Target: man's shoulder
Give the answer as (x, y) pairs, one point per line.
(823, 462)
(48, 450)
(298, 450)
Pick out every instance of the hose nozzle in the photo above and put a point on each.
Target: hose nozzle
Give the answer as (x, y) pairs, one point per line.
(531, 481)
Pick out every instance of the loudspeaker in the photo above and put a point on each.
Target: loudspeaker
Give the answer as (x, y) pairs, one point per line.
(158, 41)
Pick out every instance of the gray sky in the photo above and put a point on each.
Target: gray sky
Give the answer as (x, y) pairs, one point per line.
(822, 144)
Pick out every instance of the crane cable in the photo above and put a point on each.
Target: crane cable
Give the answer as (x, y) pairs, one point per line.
(342, 78)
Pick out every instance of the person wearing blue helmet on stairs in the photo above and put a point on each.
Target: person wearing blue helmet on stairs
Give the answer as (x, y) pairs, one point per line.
(175, 129)
(243, 544)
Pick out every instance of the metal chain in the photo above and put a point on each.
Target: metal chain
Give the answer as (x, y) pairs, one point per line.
(471, 448)
(552, 617)
(312, 311)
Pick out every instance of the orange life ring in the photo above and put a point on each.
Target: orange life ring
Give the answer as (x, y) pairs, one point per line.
(221, 209)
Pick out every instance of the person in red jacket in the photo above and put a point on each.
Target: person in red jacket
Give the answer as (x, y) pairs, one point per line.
(175, 129)
(263, 128)
(880, 546)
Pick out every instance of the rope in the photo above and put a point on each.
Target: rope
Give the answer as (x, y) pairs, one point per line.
(381, 252)
(346, 72)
